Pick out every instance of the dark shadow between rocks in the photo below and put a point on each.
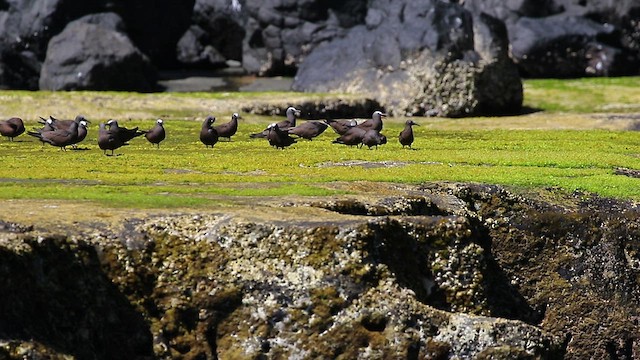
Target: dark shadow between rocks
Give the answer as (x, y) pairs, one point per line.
(56, 293)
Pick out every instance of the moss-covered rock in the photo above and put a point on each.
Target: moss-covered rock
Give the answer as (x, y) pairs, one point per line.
(448, 271)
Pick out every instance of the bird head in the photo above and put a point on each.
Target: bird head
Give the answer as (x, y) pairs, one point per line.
(411, 122)
(236, 116)
(291, 111)
(112, 122)
(83, 123)
(383, 139)
(211, 119)
(80, 118)
(378, 114)
(160, 122)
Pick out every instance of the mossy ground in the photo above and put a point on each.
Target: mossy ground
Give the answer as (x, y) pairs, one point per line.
(575, 143)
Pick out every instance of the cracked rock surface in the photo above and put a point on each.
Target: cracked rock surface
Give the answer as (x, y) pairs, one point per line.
(440, 271)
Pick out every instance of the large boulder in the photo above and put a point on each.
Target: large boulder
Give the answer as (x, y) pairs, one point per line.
(92, 53)
(569, 38)
(419, 58)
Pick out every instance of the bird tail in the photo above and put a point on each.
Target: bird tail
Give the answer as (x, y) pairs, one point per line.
(260, 135)
(35, 134)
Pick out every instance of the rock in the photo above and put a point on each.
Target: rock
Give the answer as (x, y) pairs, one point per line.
(567, 46)
(422, 59)
(193, 49)
(446, 271)
(91, 54)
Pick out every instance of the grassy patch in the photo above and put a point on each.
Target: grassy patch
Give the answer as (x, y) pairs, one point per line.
(567, 146)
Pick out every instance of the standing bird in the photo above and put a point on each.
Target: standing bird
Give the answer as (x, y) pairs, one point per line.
(278, 138)
(406, 135)
(108, 140)
(353, 137)
(122, 133)
(208, 135)
(373, 138)
(289, 122)
(309, 129)
(11, 128)
(227, 130)
(374, 123)
(59, 137)
(156, 134)
(341, 126)
(82, 132)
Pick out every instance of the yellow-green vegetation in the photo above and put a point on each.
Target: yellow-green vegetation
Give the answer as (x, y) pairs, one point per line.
(578, 140)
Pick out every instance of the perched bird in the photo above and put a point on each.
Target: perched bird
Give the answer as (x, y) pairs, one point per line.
(278, 138)
(123, 133)
(373, 138)
(156, 134)
(11, 128)
(59, 137)
(406, 135)
(341, 126)
(227, 130)
(208, 135)
(289, 122)
(353, 137)
(374, 123)
(308, 130)
(108, 140)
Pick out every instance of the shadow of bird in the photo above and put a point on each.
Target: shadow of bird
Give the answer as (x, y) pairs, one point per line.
(406, 135)
(292, 114)
(208, 135)
(279, 138)
(12, 128)
(308, 130)
(373, 138)
(227, 130)
(156, 134)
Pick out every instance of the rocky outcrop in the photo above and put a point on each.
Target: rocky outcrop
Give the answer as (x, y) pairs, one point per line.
(445, 271)
(421, 58)
(92, 53)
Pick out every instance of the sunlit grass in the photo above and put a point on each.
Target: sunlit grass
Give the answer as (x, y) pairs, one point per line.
(566, 146)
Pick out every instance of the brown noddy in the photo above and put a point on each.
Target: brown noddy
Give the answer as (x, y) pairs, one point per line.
(289, 122)
(279, 138)
(208, 135)
(341, 126)
(227, 130)
(123, 133)
(59, 137)
(11, 128)
(406, 135)
(373, 138)
(353, 137)
(156, 134)
(108, 139)
(374, 123)
(308, 130)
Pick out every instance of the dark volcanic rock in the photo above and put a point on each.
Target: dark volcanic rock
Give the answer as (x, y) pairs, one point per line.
(91, 53)
(419, 58)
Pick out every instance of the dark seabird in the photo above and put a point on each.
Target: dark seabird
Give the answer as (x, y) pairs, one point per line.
(373, 138)
(227, 130)
(59, 137)
(309, 129)
(123, 133)
(289, 122)
(108, 139)
(352, 137)
(208, 135)
(341, 126)
(11, 128)
(156, 134)
(374, 123)
(82, 133)
(278, 138)
(406, 135)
